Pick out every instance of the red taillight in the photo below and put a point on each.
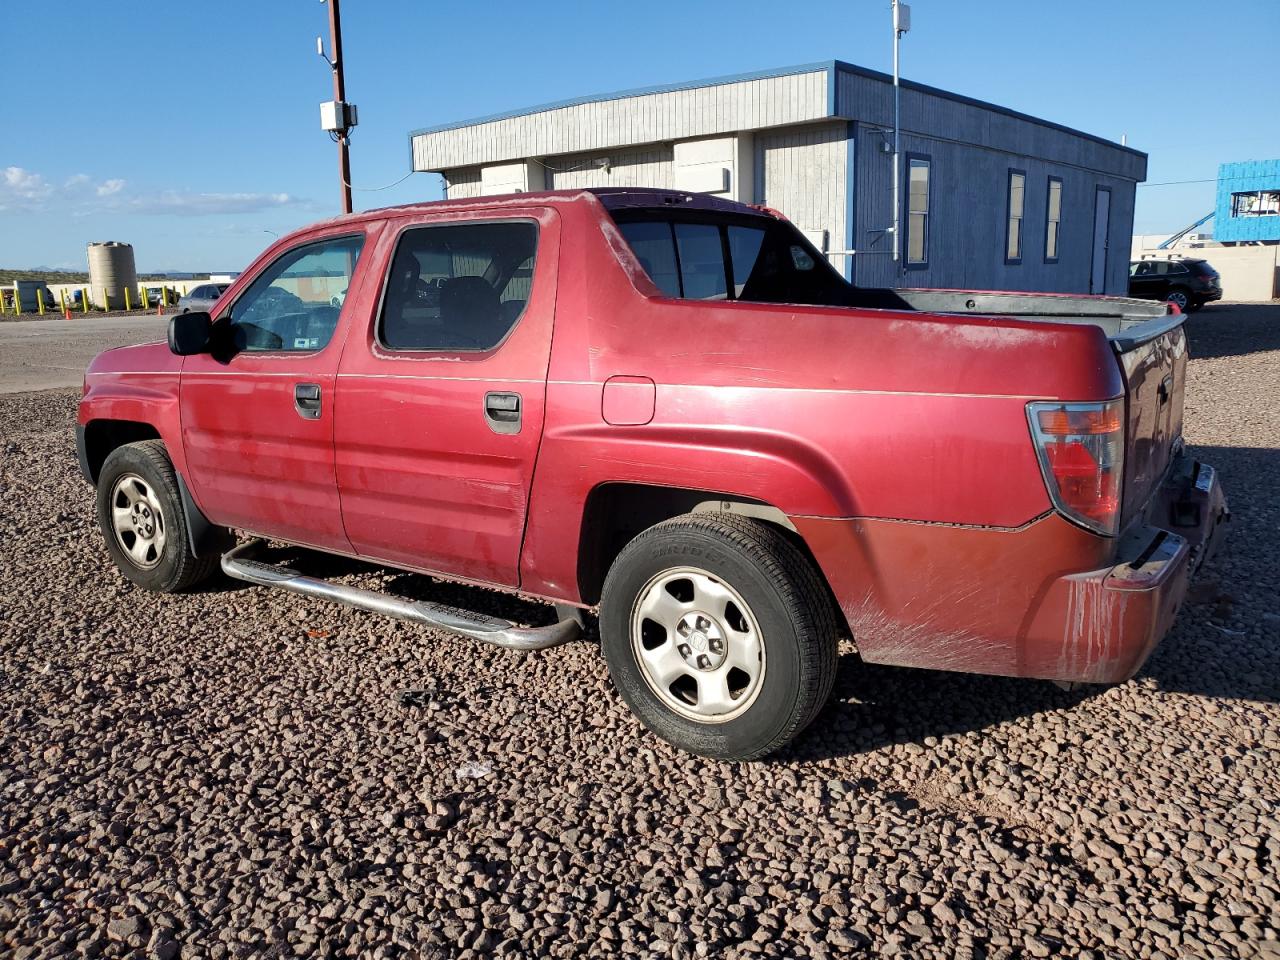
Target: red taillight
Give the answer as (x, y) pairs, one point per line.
(1081, 451)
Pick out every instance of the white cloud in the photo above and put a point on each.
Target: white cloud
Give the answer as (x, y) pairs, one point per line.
(25, 185)
(186, 204)
(25, 190)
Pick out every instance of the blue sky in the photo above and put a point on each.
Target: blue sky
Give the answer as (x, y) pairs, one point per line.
(190, 129)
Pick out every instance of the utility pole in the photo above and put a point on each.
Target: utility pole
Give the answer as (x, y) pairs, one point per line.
(337, 116)
(901, 24)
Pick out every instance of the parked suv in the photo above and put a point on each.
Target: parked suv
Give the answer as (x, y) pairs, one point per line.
(1187, 282)
(670, 409)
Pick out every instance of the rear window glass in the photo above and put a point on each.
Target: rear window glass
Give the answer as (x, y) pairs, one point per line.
(731, 257)
(744, 250)
(651, 243)
(702, 268)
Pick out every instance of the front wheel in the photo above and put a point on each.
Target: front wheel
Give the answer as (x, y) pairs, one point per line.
(140, 514)
(719, 635)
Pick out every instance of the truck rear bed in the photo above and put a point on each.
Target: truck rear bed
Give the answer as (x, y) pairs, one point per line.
(1150, 347)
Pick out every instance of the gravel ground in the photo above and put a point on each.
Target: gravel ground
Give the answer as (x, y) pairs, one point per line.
(233, 773)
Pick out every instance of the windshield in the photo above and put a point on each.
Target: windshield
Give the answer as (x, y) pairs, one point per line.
(699, 255)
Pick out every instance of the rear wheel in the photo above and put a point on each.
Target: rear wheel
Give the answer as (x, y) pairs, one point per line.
(719, 635)
(140, 514)
(1181, 297)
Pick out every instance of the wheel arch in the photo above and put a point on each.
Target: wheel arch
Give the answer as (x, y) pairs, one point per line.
(99, 438)
(616, 512)
(96, 440)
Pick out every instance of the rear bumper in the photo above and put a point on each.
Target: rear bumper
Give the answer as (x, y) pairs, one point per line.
(1109, 620)
(1209, 295)
(1048, 600)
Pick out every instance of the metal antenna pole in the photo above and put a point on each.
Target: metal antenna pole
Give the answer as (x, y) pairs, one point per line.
(897, 205)
(339, 94)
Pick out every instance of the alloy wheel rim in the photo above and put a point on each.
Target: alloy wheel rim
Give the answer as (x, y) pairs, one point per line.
(698, 645)
(1179, 298)
(137, 521)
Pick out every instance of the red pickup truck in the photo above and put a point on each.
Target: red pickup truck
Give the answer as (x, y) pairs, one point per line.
(669, 408)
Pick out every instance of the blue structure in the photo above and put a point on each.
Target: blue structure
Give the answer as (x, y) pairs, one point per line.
(1248, 208)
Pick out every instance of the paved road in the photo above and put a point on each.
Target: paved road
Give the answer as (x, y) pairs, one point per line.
(45, 354)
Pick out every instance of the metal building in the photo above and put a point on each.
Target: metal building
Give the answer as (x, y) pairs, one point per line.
(991, 198)
(1248, 207)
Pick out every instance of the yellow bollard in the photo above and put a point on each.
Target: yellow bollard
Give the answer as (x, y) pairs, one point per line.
(62, 299)
(106, 301)
(84, 299)
(164, 295)
(126, 299)
(40, 300)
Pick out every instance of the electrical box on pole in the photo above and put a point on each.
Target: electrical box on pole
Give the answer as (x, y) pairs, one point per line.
(901, 17)
(337, 116)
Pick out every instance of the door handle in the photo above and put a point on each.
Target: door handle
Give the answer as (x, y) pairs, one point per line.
(502, 411)
(306, 400)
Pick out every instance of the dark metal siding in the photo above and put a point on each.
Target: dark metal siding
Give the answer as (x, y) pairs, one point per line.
(972, 150)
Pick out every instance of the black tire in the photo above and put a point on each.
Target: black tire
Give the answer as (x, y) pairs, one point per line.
(171, 567)
(1182, 297)
(785, 598)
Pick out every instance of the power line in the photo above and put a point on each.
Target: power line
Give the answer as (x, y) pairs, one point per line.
(386, 187)
(1174, 183)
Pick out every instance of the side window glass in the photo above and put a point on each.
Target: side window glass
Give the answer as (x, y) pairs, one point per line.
(800, 258)
(654, 247)
(458, 287)
(702, 273)
(288, 306)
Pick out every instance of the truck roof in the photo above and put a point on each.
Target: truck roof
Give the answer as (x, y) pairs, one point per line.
(612, 198)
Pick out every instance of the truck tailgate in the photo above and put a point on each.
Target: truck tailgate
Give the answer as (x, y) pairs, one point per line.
(1154, 373)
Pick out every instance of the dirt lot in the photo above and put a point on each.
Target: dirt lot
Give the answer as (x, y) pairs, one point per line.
(43, 354)
(232, 774)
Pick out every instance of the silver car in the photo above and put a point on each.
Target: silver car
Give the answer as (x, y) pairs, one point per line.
(202, 297)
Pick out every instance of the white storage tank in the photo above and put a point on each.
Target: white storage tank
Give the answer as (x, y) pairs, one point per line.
(111, 270)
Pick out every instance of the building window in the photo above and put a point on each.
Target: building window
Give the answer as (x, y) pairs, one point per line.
(1052, 220)
(1256, 203)
(917, 239)
(1013, 227)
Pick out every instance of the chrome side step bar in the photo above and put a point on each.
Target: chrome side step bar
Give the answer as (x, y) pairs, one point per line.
(239, 563)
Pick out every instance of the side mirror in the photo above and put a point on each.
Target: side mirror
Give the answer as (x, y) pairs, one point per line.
(189, 333)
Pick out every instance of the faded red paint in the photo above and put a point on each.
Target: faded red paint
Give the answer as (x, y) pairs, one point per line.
(897, 443)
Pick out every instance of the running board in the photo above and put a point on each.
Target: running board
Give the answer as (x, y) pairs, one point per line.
(239, 563)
